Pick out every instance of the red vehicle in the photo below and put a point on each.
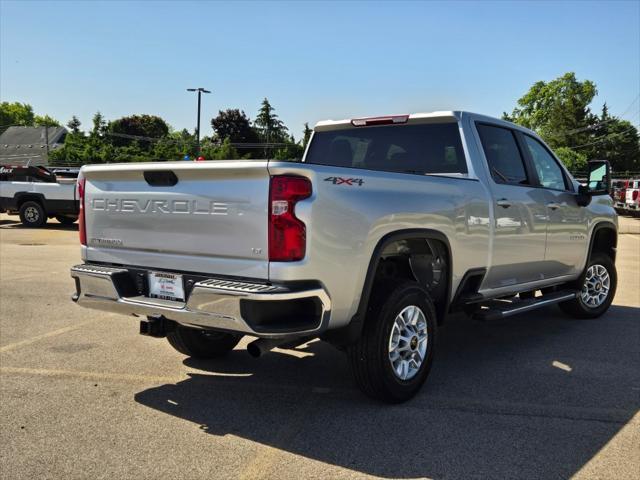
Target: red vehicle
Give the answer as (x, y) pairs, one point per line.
(619, 193)
(632, 193)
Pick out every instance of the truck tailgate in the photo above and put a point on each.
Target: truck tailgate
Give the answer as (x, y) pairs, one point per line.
(207, 217)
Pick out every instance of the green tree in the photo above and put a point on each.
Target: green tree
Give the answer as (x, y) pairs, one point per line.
(99, 125)
(573, 160)
(225, 151)
(306, 135)
(74, 124)
(131, 153)
(79, 149)
(175, 146)
(270, 128)
(615, 140)
(149, 126)
(292, 151)
(557, 110)
(45, 121)
(236, 126)
(15, 113)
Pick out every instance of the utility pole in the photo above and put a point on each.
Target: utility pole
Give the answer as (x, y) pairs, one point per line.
(46, 139)
(200, 91)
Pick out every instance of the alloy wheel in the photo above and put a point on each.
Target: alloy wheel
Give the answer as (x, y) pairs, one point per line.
(408, 342)
(597, 284)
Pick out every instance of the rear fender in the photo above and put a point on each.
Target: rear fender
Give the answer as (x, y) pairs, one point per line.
(350, 334)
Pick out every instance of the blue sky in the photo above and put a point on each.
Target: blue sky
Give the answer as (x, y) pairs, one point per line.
(313, 60)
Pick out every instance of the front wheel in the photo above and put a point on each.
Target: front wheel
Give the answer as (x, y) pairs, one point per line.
(393, 356)
(597, 288)
(197, 343)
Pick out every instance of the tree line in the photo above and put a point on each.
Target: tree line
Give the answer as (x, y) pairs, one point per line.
(141, 138)
(558, 110)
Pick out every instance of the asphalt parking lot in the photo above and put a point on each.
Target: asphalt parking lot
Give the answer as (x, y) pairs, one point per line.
(84, 396)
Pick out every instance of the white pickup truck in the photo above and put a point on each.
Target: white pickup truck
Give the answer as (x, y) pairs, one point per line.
(386, 226)
(39, 193)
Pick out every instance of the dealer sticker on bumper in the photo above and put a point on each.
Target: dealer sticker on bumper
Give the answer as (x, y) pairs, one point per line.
(167, 286)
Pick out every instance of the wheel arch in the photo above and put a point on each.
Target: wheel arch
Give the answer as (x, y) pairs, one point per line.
(22, 197)
(352, 331)
(604, 239)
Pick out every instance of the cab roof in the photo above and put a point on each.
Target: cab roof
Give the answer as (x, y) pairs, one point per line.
(414, 118)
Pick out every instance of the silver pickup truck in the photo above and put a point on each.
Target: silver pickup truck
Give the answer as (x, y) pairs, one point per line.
(387, 225)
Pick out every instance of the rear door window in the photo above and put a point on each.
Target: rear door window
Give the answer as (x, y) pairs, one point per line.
(416, 149)
(503, 155)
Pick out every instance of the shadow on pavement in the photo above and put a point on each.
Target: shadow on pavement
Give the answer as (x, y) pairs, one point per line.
(536, 396)
(50, 225)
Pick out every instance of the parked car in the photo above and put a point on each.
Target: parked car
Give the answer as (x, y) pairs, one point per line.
(632, 203)
(39, 193)
(619, 194)
(388, 225)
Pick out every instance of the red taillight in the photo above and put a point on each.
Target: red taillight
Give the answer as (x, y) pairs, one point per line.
(634, 195)
(81, 224)
(287, 234)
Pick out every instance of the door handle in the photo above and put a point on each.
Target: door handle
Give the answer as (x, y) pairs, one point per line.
(504, 203)
(553, 205)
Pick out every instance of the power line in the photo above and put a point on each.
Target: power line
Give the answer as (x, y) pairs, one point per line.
(595, 126)
(633, 127)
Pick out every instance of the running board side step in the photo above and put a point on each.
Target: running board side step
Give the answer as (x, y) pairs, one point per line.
(498, 309)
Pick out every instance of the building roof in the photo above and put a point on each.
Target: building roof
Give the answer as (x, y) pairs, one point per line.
(27, 145)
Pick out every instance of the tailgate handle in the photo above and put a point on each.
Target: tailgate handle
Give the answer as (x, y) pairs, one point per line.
(161, 178)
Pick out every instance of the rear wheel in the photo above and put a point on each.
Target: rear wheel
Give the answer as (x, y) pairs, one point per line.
(32, 214)
(393, 356)
(597, 288)
(198, 343)
(66, 219)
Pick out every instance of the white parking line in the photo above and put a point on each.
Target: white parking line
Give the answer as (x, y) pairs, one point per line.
(127, 377)
(37, 338)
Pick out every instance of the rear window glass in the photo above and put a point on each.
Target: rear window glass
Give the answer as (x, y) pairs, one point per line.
(503, 154)
(417, 149)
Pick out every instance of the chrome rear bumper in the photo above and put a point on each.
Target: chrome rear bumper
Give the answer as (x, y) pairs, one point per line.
(212, 303)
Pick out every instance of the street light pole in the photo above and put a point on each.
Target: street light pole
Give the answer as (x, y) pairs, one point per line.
(200, 91)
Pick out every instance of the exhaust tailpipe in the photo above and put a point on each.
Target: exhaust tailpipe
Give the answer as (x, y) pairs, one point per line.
(263, 345)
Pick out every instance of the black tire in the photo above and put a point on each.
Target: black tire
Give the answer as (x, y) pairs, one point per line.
(369, 357)
(32, 214)
(577, 307)
(198, 343)
(66, 219)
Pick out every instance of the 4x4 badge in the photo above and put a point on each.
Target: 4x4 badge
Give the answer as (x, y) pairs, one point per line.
(345, 181)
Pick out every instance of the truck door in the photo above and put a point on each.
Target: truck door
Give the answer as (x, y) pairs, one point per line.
(567, 239)
(520, 217)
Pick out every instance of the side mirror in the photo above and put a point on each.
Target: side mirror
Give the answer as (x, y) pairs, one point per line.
(598, 181)
(599, 177)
